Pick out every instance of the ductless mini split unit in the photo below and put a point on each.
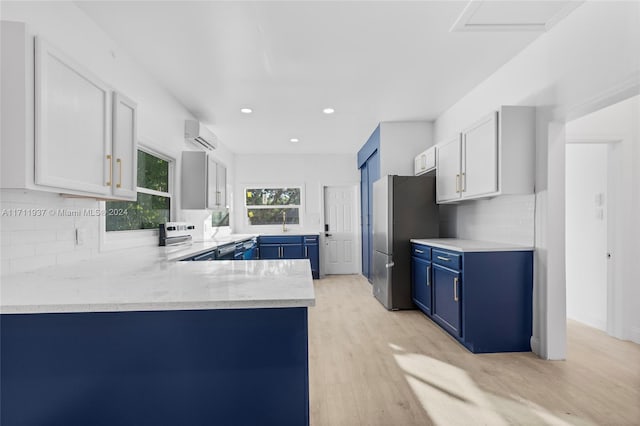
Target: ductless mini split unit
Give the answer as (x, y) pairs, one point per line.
(196, 133)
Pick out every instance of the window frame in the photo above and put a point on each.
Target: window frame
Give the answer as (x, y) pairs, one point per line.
(300, 206)
(133, 237)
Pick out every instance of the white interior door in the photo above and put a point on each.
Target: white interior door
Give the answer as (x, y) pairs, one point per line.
(340, 225)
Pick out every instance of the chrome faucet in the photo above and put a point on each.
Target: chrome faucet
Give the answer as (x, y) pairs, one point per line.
(284, 221)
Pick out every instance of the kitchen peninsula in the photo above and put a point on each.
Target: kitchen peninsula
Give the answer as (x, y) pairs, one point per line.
(155, 341)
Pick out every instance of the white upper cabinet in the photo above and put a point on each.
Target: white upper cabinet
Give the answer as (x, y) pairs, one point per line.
(448, 170)
(125, 147)
(479, 173)
(494, 156)
(73, 124)
(71, 134)
(425, 161)
(203, 181)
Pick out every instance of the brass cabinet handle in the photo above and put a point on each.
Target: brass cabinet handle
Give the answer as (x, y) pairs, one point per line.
(457, 183)
(110, 170)
(455, 289)
(428, 276)
(446, 259)
(119, 161)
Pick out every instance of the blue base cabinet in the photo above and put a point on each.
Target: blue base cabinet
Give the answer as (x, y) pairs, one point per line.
(421, 277)
(291, 247)
(483, 299)
(202, 367)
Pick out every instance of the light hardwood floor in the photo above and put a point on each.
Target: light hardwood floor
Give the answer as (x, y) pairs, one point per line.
(369, 366)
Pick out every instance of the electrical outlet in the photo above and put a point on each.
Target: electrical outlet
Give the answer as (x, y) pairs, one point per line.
(80, 236)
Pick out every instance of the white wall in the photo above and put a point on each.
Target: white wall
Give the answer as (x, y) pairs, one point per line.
(312, 172)
(619, 125)
(586, 244)
(400, 142)
(161, 125)
(588, 58)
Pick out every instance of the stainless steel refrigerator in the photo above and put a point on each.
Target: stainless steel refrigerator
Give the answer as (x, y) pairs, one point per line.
(404, 207)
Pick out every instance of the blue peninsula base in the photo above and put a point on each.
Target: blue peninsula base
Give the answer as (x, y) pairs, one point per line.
(205, 367)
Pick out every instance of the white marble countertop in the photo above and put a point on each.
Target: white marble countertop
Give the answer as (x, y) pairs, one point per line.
(456, 244)
(146, 279)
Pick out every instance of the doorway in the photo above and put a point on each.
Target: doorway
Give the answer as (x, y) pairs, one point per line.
(341, 236)
(586, 227)
(602, 230)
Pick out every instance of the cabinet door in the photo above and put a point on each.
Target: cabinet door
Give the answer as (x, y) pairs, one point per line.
(292, 251)
(72, 125)
(212, 179)
(480, 158)
(421, 283)
(446, 299)
(270, 251)
(448, 171)
(312, 252)
(125, 147)
(221, 172)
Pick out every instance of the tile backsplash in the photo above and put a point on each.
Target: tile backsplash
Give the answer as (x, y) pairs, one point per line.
(505, 219)
(38, 229)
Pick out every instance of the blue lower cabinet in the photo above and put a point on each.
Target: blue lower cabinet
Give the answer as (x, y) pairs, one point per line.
(291, 247)
(421, 284)
(204, 367)
(483, 299)
(446, 295)
(270, 251)
(312, 252)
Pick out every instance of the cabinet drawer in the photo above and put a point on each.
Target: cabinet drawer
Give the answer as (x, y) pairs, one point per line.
(310, 239)
(280, 239)
(421, 251)
(449, 259)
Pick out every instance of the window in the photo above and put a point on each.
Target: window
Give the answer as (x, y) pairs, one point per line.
(220, 217)
(153, 206)
(273, 206)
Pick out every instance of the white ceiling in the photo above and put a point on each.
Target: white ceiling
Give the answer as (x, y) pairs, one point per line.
(371, 61)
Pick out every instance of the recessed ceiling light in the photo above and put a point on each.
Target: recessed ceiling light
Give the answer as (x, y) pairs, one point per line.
(328, 110)
(246, 110)
(294, 140)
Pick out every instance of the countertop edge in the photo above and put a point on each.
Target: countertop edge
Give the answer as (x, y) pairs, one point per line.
(488, 247)
(156, 307)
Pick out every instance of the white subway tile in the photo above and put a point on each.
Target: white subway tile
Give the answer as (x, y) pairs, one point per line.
(18, 251)
(31, 263)
(54, 247)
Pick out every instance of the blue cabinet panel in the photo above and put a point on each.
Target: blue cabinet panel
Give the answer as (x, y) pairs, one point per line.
(446, 298)
(446, 258)
(292, 247)
(484, 299)
(209, 367)
(418, 250)
(312, 252)
(269, 251)
(421, 283)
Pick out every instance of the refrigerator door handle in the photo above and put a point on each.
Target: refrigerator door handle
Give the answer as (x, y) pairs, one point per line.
(389, 265)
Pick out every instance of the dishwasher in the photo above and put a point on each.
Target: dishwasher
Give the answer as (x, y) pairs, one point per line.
(226, 252)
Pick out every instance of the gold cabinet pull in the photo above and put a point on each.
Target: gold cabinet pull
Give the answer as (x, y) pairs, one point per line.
(110, 170)
(455, 289)
(457, 183)
(119, 161)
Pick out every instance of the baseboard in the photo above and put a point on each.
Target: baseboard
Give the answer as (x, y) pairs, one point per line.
(634, 334)
(535, 346)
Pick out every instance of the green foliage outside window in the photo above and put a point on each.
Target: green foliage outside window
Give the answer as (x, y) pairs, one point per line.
(273, 206)
(150, 209)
